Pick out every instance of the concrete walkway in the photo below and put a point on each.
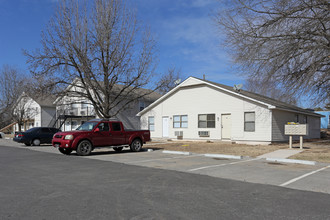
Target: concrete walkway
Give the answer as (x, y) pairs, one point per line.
(281, 154)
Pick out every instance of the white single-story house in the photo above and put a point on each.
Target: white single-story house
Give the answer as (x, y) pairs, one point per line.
(204, 110)
(36, 110)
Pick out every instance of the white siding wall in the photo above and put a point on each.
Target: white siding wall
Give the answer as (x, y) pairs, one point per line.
(36, 112)
(202, 99)
(314, 127)
(32, 111)
(280, 118)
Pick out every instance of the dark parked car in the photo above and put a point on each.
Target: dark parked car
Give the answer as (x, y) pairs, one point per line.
(36, 136)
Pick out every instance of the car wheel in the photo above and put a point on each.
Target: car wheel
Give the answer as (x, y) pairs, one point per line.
(118, 149)
(27, 144)
(36, 142)
(136, 145)
(65, 151)
(84, 148)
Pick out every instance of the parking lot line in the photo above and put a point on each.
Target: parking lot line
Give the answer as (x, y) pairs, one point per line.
(166, 158)
(220, 165)
(303, 176)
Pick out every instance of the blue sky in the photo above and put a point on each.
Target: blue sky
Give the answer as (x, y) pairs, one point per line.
(186, 35)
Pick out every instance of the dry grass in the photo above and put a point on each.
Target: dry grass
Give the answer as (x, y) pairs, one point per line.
(218, 148)
(313, 151)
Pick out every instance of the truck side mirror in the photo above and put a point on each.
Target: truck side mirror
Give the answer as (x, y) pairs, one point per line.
(97, 130)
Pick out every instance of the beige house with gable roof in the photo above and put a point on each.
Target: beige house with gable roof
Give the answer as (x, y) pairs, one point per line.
(204, 110)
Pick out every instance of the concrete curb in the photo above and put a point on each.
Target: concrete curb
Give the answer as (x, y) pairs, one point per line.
(305, 162)
(206, 155)
(176, 152)
(282, 160)
(224, 156)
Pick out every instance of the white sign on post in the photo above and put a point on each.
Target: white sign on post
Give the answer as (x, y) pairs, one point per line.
(296, 129)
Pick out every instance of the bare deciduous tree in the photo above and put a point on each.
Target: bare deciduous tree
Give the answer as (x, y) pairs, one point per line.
(270, 89)
(285, 41)
(170, 80)
(103, 47)
(12, 84)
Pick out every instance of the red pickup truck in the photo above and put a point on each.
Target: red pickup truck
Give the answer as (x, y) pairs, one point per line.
(99, 133)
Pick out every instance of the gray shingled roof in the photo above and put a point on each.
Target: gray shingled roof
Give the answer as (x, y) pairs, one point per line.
(265, 99)
(45, 100)
(151, 95)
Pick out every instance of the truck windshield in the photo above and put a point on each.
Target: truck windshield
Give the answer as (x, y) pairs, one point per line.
(87, 126)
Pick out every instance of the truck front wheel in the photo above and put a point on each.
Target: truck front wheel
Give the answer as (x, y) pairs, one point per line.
(136, 145)
(84, 148)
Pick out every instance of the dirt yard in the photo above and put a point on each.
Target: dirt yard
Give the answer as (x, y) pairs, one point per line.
(315, 151)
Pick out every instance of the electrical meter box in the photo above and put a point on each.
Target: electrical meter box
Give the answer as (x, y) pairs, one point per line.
(296, 129)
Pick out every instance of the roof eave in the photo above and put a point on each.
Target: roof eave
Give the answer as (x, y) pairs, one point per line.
(296, 111)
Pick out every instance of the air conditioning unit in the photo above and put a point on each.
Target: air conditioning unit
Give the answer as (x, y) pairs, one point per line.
(178, 133)
(204, 133)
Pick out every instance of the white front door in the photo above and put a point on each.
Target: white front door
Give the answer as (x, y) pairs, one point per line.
(165, 126)
(226, 126)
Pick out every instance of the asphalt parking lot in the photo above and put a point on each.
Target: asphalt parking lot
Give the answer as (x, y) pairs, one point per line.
(255, 170)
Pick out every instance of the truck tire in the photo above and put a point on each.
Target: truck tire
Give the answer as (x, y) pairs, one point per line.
(118, 149)
(65, 151)
(84, 148)
(136, 145)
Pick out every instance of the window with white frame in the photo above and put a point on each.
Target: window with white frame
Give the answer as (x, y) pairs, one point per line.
(180, 121)
(249, 121)
(151, 123)
(206, 120)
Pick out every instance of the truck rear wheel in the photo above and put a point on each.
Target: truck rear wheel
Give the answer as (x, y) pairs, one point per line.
(65, 151)
(84, 148)
(136, 145)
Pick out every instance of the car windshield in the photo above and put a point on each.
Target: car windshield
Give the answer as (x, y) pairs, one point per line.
(87, 126)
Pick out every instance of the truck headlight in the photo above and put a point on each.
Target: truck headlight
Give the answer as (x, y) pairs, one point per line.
(68, 137)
